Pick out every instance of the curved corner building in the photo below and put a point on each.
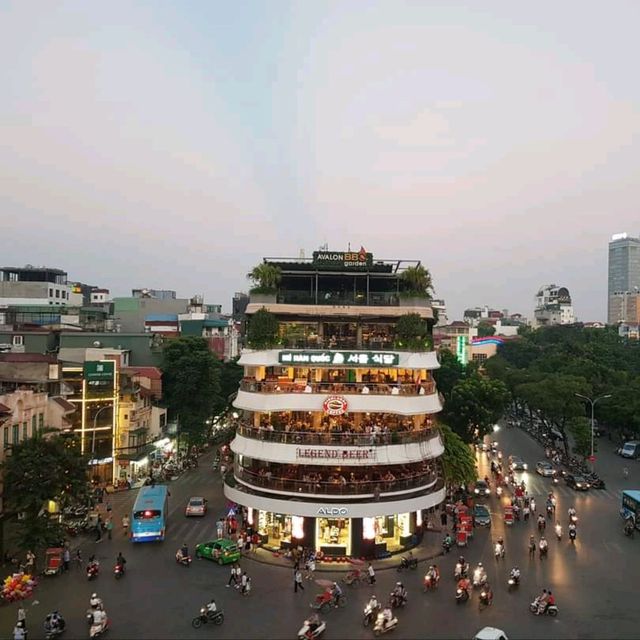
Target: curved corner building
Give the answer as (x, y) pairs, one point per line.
(336, 447)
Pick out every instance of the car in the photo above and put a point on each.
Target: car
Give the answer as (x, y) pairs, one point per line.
(517, 464)
(197, 506)
(545, 469)
(482, 515)
(482, 488)
(222, 551)
(490, 633)
(576, 482)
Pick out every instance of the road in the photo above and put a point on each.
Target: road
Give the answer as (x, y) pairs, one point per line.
(158, 598)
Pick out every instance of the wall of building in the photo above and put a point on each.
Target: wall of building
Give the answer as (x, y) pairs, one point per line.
(145, 350)
(129, 313)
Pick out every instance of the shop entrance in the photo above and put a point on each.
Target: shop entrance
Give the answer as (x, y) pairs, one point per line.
(333, 536)
(275, 529)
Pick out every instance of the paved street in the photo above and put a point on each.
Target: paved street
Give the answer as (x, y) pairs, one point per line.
(158, 598)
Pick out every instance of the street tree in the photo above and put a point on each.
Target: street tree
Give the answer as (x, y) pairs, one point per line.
(44, 467)
(475, 405)
(486, 329)
(191, 384)
(451, 371)
(262, 330)
(458, 461)
(412, 333)
(265, 278)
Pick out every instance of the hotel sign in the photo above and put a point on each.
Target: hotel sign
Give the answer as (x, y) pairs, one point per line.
(343, 259)
(339, 455)
(328, 358)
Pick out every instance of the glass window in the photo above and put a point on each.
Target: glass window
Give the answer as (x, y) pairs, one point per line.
(15, 434)
(41, 422)
(57, 293)
(6, 437)
(18, 341)
(34, 420)
(275, 527)
(333, 533)
(25, 431)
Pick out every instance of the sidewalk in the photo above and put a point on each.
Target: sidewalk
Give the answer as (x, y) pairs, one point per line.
(428, 549)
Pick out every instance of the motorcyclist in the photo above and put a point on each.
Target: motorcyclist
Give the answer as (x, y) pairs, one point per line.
(184, 551)
(515, 574)
(461, 568)
(387, 616)
(464, 584)
(500, 546)
(92, 564)
(373, 603)
(314, 622)
(95, 602)
(121, 561)
(54, 621)
(629, 526)
(572, 513)
(399, 592)
(541, 522)
(551, 600)
(572, 530)
(99, 621)
(544, 545)
(542, 601)
(559, 529)
(432, 575)
(447, 543)
(479, 575)
(488, 593)
(211, 606)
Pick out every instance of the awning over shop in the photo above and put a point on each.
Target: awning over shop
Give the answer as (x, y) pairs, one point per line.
(137, 454)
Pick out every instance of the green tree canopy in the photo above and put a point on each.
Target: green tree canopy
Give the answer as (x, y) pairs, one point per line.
(45, 467)
(416, 282)
(262, 331)
(265, 277)
(451, 371)
(191, 383)
(412, 333)
(458, 460)
(485, 329)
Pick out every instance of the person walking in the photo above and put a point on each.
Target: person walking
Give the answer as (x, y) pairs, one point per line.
(297, 581)
(30, 564)
(244, 580)
(22, 615)
(235, 570)
(372, 574)
(99, 529)
(66, 558)
(125, 524)
(443, 519)
(311, 567)
(79, 557)
(220, 528)
(108, 507)
(109, 527)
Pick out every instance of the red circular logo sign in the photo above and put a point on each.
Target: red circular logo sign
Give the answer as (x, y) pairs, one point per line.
(335, 405)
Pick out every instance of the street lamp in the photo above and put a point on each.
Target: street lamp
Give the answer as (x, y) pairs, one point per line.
(593, 406)
(95, 426)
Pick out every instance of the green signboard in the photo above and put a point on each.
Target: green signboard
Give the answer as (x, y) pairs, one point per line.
(461, 349)
(339, 358)
(343, 259)
(99, 370)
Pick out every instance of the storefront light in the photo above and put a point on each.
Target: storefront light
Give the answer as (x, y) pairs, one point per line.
(297, 527)
(368, 529)
(250, 515)
(162, 443)
(419, 518)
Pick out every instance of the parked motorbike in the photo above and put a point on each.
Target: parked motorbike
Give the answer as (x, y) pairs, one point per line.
(217, 617)
(408, 563)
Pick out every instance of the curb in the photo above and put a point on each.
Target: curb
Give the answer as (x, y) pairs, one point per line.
(326, 567)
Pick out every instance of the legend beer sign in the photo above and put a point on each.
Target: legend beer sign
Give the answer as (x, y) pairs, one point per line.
(339, 455)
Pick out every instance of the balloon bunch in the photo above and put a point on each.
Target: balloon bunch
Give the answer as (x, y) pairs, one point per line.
(18, 587)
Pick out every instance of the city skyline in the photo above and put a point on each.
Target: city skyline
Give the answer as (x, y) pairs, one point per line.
(177, 148)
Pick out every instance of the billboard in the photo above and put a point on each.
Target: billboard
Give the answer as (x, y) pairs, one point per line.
(99, 370)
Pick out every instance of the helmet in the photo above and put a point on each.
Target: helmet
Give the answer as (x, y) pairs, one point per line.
(94, 595)
(335, 584)
(430, 567)
(479, 564)
(398, 584)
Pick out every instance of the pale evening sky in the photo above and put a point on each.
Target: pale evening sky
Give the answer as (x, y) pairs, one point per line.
(173, 144)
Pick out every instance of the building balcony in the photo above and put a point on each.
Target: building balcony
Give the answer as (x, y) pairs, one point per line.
(340, 388)
(390, 504)
(352, 490)
(351, 450)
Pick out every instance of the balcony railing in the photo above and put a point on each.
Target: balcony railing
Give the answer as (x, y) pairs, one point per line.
(358, 487)
(337, 438)
(346, 388)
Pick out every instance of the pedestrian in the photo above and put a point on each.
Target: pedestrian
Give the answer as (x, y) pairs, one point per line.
(99, 529)
(311, 567)
(22, 615)
(108, 507)
(372, 573)
(30, 564)
(244, 579)
(125, 524)
(220, 528)
(297, 581)
(255, 541)
(19, 631)
(66, 558)
(109, 526)
(532, 503)
(234, 575)
(443, 519)
(79, 557)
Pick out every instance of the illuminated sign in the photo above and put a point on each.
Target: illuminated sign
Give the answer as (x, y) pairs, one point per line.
(336, 454)
(461, 349)
(335, 405)
(333, 511)
(328, 358)
(343, 259)
(99, 371)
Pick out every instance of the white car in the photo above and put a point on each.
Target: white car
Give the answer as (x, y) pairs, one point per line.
(197, 507)
(490, 633)
(517, 464)
(545, 469)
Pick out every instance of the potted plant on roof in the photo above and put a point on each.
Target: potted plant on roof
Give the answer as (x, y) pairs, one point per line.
(266, 278)
(416, 287)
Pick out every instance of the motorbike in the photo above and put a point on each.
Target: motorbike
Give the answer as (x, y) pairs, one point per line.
(572, 535)
(543, 550)
(484, 600)
(408, 563)
(551, 610)
(185, 561)
(53, 631)
(397, 601)
(382, 626)
(430, 582)
(217, 617)
(513, 583)
(324, 601)
(462, 595)
(549, 510)
(306, 633)
(541, 525)
(558, 532)
(370, 614)
(499, 491)
(93, 568)
(555, 479)
(479, 578)
(498, 550)
(447, 543)
(118, 571)
(97, 630)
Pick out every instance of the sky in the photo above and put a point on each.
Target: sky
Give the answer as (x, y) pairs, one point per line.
(174, 144)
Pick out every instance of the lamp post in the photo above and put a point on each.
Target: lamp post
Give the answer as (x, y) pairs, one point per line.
(593, 406)
(95, 426)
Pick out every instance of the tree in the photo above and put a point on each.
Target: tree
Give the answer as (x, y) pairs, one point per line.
(485, 329)
(475, 405)
(265, 277)
(230, 376)
(451, 371)
(417, 282)
(412, 333)
(262, 332)
(191, 384)
(458, 461)
(580, 429)
(39, 469)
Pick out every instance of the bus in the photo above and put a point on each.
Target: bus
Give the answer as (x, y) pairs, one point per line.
(149, 514)
(631, 506)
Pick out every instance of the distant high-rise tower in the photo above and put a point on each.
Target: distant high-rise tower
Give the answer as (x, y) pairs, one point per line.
(624, 271)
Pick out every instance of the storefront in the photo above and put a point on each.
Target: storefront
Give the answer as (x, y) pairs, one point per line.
(274, 529)
(333, 536)
(390, 533)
